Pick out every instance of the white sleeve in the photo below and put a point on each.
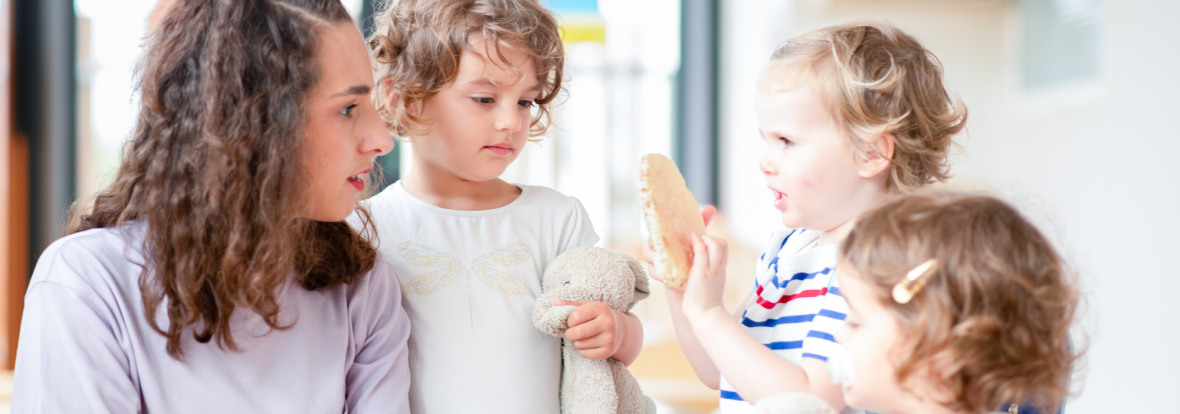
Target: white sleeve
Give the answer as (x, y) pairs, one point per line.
(69, 358)
(378, 379)
(578, 230)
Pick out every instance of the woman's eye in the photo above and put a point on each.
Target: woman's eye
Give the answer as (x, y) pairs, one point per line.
(484, 100)
(347, 111)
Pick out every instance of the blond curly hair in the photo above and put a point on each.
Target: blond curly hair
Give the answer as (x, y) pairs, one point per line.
(878, 80)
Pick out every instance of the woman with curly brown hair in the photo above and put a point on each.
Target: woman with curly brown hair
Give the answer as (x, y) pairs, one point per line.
(216, 273)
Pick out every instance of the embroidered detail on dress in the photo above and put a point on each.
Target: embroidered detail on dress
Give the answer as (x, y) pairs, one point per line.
(444, 268)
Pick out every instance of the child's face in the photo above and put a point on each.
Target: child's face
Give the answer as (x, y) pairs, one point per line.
(479, 121)
(344, 134)
(868, 333)
(811, 171)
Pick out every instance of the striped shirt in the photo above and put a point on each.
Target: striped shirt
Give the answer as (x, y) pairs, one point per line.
(796, 308)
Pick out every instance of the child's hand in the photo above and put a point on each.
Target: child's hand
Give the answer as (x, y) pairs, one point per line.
(594, 328)
(706, 278)
(707, 213)
(649, 255)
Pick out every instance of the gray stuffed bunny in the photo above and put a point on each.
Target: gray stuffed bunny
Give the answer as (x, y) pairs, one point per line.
(595, 274)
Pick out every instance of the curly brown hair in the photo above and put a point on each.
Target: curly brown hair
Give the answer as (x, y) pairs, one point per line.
(417, 44)
(212, 167)
(996, 312)
(878, 80)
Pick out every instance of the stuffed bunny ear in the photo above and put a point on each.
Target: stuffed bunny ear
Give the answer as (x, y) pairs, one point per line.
(642, 287)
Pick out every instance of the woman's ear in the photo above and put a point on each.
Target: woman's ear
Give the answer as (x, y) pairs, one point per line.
(879, 157)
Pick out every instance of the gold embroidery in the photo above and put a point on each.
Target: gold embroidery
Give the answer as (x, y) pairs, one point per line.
(444, 268)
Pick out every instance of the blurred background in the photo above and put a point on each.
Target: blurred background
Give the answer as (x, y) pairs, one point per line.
(1070, 101)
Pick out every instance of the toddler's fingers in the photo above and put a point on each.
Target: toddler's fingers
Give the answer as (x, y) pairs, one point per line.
(700, 253)
(707, 213)
(588, 311)
(593, 352)
(562, 302)
(717, 249)
(589, 329)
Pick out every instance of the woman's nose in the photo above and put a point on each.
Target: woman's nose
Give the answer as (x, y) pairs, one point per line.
(375, 137)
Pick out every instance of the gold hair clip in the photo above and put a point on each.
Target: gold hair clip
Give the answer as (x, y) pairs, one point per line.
(904, 291)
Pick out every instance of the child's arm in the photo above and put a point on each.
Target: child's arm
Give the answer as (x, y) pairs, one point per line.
(600, 332)
(701, 364)
(754, 370)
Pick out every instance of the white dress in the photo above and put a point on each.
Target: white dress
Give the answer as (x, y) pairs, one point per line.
(470, 280)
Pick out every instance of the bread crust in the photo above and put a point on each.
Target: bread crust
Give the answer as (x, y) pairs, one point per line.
(671, 215)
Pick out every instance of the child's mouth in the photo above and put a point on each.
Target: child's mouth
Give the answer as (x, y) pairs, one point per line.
(780, 199)
(499, 150)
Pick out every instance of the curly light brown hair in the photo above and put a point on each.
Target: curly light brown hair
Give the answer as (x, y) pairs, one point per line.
(878, 80)
(213, 167)
(995, 313)
(416, 46)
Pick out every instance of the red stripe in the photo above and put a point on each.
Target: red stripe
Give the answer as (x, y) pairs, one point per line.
(804, 294)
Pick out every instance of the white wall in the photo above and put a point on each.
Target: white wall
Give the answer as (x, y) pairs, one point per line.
(1093, 165)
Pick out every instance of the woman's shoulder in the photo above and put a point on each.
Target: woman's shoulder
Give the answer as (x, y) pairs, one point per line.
(380, 278)
(374, 294)
(92, 258)
(97, 243)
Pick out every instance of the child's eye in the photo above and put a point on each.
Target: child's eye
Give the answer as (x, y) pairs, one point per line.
(526, 103)
(484, 100)
(785, 141)
(347, 111)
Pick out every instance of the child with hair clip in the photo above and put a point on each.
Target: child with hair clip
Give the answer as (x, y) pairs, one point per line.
(466, 83)
(957, 304)
(850, 114)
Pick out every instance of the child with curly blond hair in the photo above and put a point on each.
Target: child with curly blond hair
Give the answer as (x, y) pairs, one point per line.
(851, 114)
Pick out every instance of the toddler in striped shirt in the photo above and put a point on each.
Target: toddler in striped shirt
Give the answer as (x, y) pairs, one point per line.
(850, 114)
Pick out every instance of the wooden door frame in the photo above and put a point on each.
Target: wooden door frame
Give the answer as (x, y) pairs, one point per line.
(14, 202)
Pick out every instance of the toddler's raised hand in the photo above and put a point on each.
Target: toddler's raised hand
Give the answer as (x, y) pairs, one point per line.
(649, 255)
(706, 278)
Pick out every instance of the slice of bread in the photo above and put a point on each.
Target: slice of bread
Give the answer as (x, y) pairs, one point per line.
(672, 216)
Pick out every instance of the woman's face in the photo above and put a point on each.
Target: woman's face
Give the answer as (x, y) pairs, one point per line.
(344, 134)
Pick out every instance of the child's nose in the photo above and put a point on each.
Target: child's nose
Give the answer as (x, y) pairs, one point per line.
(767, 167)
(507, 119)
